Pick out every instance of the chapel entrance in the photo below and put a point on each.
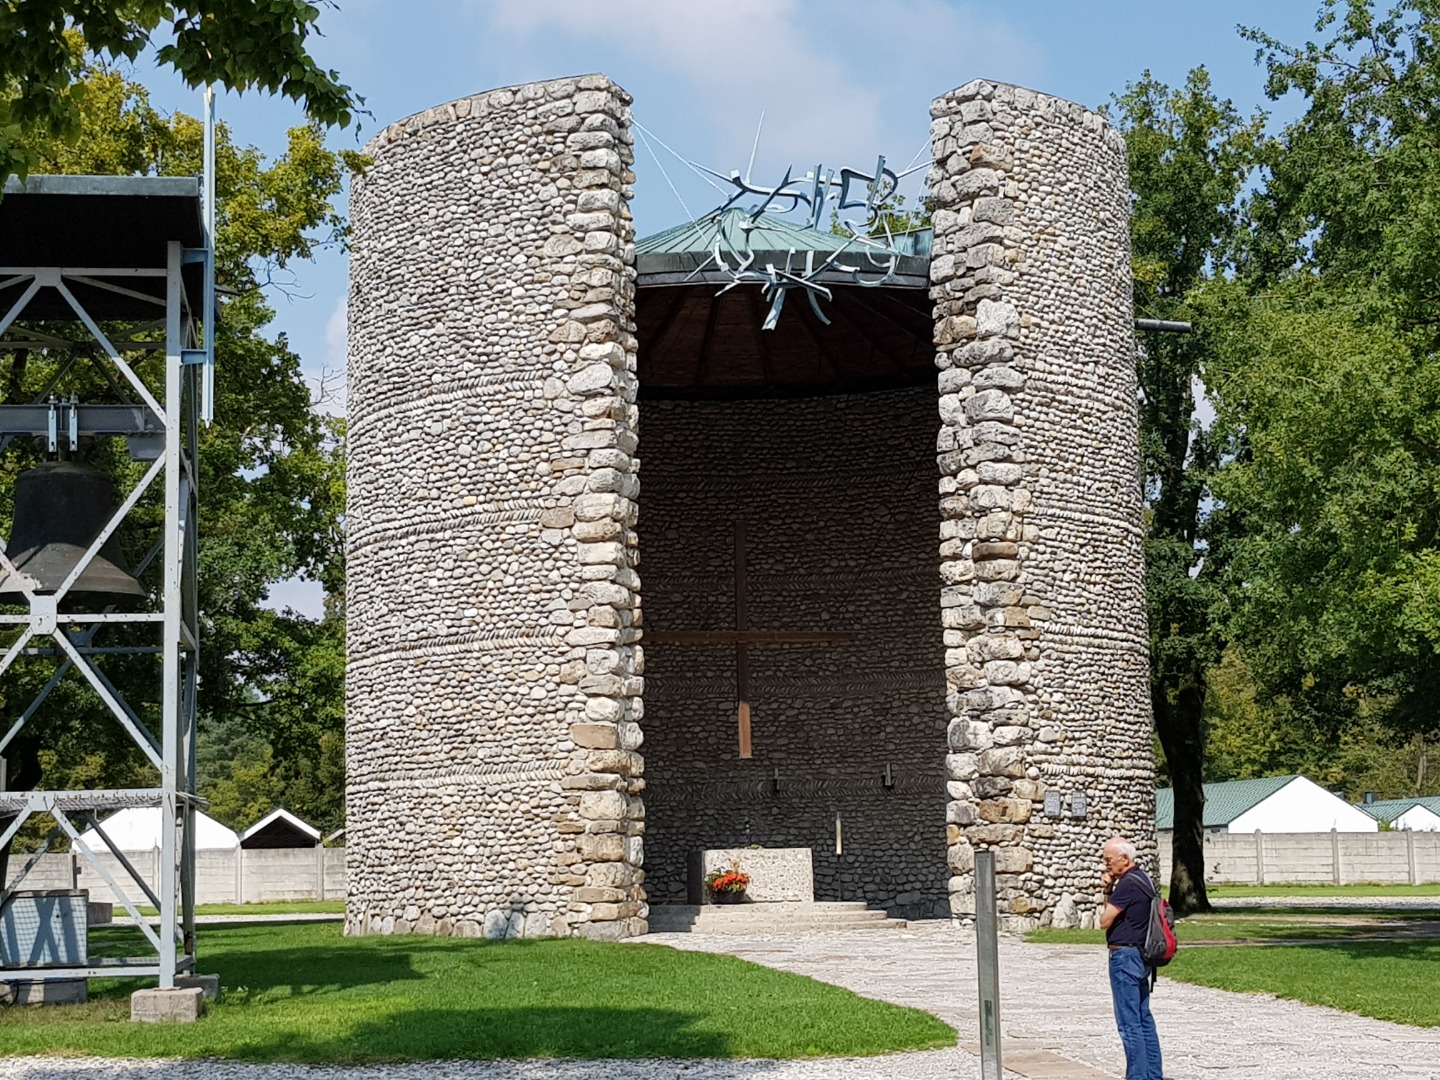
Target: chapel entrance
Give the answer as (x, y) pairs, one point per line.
(794, 664)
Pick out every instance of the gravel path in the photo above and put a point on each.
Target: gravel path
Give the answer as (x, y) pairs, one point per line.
(1055, 1011)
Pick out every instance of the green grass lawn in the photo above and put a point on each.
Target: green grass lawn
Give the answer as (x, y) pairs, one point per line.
(1260, 926)
(305, 993)
(1432, 889)
(267, 907)
(1389, 980)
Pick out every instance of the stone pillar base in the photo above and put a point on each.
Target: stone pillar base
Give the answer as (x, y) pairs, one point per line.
(44, 992)
(183, 1004)
(208, 984)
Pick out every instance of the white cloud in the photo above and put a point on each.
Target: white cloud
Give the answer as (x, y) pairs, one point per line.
(838, 83)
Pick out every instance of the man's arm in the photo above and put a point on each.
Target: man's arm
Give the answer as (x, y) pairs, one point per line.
(1109, 915)
(1114, 887)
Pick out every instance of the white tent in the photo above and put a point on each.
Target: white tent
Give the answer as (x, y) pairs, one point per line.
(138, 829)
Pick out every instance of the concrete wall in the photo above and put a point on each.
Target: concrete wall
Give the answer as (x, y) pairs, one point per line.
(1044, 599)
(221, 877)
(1333, 858)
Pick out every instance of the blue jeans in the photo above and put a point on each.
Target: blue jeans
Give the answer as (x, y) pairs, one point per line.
(1130, 989)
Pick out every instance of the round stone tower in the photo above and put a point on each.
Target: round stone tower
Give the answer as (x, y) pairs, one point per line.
(493, 690)
(1043, 599)
(495, 679)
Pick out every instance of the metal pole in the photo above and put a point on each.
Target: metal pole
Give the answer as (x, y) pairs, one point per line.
(207, 393)
(1162, 326)
(172, 758)
(987, 962)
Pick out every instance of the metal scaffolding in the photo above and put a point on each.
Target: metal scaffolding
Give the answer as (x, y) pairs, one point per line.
(88, 252)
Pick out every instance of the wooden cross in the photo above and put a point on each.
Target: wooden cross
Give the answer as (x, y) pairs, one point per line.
(742, 637)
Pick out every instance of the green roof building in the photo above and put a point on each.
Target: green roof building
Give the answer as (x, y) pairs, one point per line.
(1420, 813)
(1288, 804)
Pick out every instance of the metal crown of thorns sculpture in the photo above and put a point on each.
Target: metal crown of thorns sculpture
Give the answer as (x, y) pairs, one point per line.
(869, 252)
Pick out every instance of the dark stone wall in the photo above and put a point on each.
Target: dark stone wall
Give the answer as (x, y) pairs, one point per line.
(838, 500)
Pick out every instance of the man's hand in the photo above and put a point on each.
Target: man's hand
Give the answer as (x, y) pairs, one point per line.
(1107, 881)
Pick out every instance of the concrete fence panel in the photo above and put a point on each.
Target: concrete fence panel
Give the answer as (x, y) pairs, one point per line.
(221, 877)
(1296, 858)
(1328, 858)
(50, 872)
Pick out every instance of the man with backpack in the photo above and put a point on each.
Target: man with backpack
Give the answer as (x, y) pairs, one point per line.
(1126, 920)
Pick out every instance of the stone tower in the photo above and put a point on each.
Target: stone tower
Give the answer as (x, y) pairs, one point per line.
(496, 666)
(1044, 602)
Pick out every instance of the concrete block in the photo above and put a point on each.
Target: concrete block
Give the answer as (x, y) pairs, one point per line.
(44, 992)
(183, 1004)
(209, 984)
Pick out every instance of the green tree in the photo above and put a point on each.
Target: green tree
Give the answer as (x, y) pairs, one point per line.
(237, 44)
(1328, 380)
(1250, 734)
(271, 468)
(1189, 156)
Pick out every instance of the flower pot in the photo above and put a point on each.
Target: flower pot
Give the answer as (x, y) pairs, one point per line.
(729, 896)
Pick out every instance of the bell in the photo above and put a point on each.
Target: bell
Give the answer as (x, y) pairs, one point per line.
(60, 507)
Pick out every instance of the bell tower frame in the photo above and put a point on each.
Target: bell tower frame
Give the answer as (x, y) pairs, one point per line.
(88, 252)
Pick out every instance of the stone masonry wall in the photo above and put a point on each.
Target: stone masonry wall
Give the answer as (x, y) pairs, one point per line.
(494, 683)
(837, 498)
(1043, 601)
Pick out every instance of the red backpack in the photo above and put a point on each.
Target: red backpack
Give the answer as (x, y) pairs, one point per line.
(1160, 944)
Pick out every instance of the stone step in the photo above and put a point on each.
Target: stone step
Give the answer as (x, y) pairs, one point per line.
(769, 918)
(745, 915)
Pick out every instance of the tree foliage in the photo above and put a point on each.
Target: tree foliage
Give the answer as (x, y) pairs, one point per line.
(1250, 734)
(1328, 384)
(238, 44)
(271, 468)
(1189, 156)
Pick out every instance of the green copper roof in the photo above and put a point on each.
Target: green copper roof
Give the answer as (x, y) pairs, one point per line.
(1387, 810)
(1224, 802)
(686, 252)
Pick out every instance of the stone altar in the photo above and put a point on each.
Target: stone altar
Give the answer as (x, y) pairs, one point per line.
(776, 874)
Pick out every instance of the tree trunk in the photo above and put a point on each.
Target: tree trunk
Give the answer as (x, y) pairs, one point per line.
(1180, 725)
(1420, 766)
(22, 774)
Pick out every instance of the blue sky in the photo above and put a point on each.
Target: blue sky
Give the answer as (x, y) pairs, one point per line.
(839, 82)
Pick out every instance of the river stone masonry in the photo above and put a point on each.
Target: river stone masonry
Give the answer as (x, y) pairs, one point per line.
(494, 681)
(1043, 599)
(495, 671)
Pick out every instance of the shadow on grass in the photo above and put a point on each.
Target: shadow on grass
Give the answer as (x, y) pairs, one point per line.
(519, 1034)
(241, 961)
(516, 1033)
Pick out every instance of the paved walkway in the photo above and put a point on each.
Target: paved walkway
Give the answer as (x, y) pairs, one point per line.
(1055, 1011)
(1056, 1017)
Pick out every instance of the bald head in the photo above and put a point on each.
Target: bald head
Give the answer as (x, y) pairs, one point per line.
(1119, 854)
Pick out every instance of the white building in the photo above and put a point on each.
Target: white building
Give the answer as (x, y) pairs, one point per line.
(1420, 814)
(138, 829)
(1272, 804)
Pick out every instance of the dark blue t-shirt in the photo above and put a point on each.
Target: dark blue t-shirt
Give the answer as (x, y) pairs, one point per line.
(1132, 896)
